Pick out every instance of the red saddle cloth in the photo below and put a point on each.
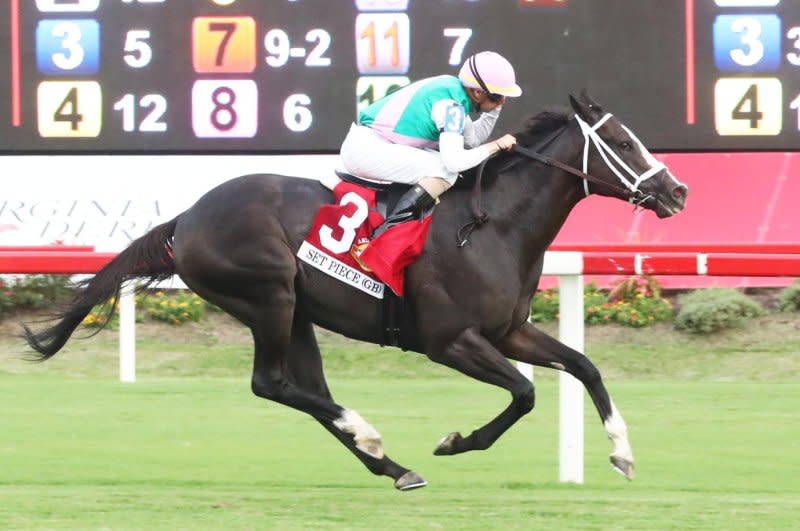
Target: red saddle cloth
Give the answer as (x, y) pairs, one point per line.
(338, 243)
(395, 248)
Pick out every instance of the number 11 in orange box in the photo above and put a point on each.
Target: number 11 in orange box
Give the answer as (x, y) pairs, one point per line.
(224, 45)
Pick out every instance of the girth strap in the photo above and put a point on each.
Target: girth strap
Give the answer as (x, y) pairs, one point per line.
(397, 324)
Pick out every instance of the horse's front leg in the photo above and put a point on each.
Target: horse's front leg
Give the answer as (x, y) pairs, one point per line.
(471, 354)
(529, 345)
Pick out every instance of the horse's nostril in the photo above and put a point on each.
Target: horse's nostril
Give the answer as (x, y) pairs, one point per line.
(680, 192)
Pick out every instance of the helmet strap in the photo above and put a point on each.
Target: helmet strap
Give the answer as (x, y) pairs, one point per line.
(473, 67)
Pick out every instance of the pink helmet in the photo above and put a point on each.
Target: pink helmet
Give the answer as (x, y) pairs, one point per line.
(490, 72)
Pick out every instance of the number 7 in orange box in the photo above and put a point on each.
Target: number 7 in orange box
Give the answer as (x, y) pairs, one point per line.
(224, 45)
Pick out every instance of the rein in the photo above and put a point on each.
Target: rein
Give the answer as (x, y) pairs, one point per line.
(630, 190)
(480, 217)
(632, 196)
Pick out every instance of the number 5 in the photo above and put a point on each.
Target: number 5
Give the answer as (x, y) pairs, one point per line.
(349, 224)
(138, 52)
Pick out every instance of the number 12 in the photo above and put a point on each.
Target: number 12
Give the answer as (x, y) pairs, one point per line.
(151, 123)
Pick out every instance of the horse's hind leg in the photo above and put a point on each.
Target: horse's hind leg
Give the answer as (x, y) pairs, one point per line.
(404, 479)
(287, 366)
(530, 345)
(294, 376)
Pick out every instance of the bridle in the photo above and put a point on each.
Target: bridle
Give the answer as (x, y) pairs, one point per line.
(590, 133)
(629, 189)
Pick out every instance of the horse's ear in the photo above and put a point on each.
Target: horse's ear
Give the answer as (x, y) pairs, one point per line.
(580, 108)
(593, 105)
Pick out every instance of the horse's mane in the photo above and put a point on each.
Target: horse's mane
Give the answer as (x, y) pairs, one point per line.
(536, 127)
(541, 124)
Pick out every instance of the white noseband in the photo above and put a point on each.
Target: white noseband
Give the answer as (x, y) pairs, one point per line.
(632, 183)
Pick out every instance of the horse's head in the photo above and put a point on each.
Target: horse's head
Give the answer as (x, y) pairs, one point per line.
(613, 155)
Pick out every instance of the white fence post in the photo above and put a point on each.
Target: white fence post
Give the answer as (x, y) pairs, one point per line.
(127, 333)
(526, 369)
(570, 416)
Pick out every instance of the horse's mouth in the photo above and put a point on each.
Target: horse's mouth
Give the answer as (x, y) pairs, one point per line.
(665, 208)
(667, 203)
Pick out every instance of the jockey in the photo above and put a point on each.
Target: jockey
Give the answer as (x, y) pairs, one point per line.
(396, 138)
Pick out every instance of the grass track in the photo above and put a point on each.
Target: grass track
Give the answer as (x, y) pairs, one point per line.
(203, 453)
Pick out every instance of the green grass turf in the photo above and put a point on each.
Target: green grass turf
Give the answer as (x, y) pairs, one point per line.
(713, 421)
(80, 452)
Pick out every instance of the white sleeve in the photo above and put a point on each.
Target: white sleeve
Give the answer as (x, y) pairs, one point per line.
(477, 132)
(455, 157)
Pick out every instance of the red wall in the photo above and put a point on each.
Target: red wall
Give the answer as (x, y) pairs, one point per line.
(733, 198)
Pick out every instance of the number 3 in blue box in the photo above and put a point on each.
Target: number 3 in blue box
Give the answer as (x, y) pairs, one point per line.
(68, 47)
(747, 43)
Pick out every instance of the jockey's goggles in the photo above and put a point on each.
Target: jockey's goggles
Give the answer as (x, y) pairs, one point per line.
(494, 98)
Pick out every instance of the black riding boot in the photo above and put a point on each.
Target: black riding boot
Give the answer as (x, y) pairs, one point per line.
(412, 204)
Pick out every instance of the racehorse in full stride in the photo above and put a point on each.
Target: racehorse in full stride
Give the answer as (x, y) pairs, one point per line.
(465, 306)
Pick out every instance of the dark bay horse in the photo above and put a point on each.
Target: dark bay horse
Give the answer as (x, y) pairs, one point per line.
(468, 306)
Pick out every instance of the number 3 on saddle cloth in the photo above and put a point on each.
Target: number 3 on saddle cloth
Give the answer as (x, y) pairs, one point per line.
(338, 243)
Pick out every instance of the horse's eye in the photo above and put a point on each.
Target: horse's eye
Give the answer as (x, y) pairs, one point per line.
(626, 146)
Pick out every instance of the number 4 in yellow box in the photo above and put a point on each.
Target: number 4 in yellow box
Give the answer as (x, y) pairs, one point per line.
(746, 106)
(69, 109)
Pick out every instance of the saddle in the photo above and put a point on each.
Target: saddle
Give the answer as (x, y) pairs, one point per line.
(386, 194)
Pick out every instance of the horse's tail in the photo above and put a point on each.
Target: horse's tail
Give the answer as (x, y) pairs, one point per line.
(147, 257)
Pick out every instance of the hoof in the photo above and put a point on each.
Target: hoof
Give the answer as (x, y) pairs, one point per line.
(448, 444)
(410, 481)
(623, 466)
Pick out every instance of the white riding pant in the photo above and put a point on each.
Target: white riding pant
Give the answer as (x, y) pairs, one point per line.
(365, 154)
